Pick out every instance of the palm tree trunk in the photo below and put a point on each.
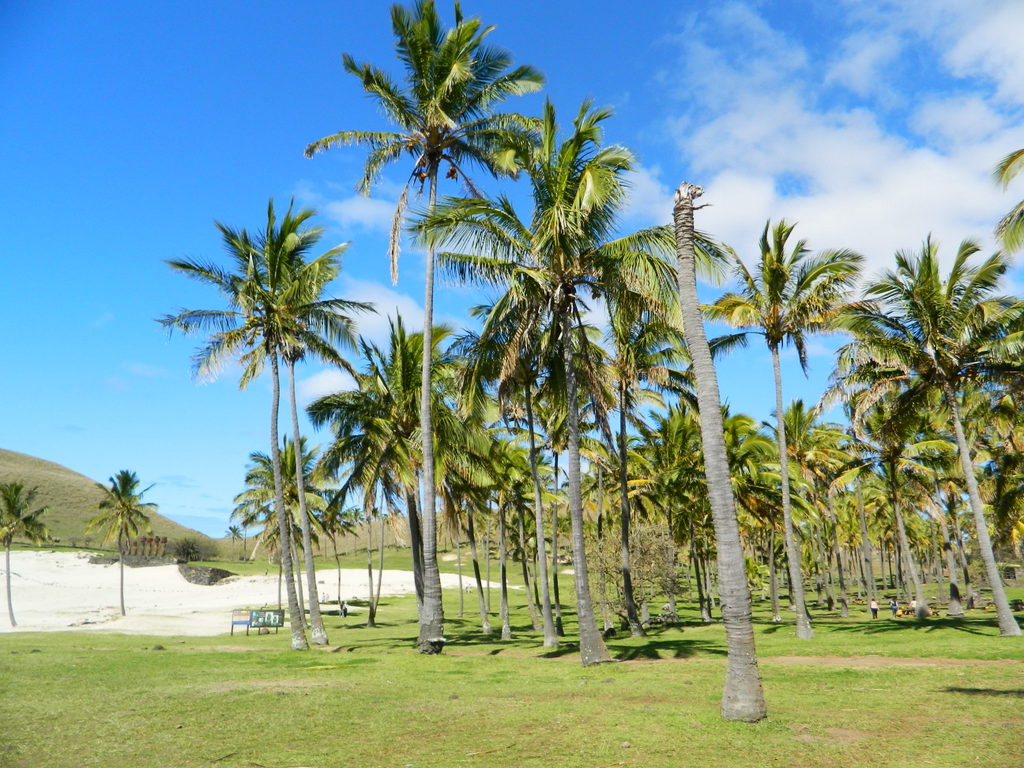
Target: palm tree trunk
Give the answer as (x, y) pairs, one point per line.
(415, 544)
(803, 621)
(865, 546)
(120, 562)
(458, 565)
(371, 613)
(1008, 626)
(635, 627)
(844, 610)
(315, 619)
(380, 568)
(922, 611)
(506, 629)
(592, 647)
(743, 697)
(773, 578)
(550, 635)
(298, 585)
(955, 607)
(296, 619)
(556, 597)
(431, 636)
(485, 622)
(531, 604)
(10, 603)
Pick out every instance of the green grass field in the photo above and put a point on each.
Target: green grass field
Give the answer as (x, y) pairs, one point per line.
(862, 693)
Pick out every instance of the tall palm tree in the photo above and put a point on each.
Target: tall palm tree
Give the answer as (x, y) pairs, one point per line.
(925, 332)
(18, 519)
(268, 318)
(319, 325)
(444, 114)
(784, 298)
(1011, 227)
(743, 696)
(546, 266)
(234, 533)
(122, 515)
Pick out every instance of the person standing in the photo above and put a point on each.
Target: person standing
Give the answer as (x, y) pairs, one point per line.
(893, 605)
(873, 605)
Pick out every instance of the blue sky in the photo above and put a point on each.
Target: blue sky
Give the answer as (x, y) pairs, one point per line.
(128, 128)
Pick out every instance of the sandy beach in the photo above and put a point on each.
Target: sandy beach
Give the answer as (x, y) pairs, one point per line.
(59, 591)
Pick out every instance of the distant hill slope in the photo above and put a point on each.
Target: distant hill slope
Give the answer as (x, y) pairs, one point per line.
(71, 499)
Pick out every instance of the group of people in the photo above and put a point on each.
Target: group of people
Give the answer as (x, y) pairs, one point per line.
(893, 606)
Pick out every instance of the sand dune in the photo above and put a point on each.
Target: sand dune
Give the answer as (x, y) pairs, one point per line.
(57, 591)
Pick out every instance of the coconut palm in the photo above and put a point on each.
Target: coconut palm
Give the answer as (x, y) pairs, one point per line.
(1011, 227)
(122, 515)
(546, 266)
(319, 326)
(17, 518)
(926, 331)
(784, 298)
(444, 114)
(743, 697)
(272, 312)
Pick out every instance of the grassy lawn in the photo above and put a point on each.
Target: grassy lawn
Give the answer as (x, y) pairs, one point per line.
(862, 693)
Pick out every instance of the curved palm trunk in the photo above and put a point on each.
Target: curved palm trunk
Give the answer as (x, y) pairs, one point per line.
(485, 622)
(955, 607)
(636, 628)
(592, 647)
(10, 603)
(315, 619)
(296, 618)
(803, 621)
(550, 635)
(506, 629)
(1008, 626)
(431, 636)
(743, 697)
(865, 546)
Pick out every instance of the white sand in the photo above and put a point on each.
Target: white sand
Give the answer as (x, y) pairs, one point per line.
(54, 591)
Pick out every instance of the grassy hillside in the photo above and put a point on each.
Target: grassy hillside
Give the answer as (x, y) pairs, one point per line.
(71, 499)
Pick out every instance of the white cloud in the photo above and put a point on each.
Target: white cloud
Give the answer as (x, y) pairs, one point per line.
(326, 382)
(766, 138)
(650, 201)
(363, 212)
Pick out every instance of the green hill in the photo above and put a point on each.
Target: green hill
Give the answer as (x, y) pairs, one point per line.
(71, 499)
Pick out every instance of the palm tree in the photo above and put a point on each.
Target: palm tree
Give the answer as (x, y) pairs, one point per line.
(1011, 227)
(272, 312)
(786, 297)
(546, 267)
(122, 514)
(17, 519)
(743, 697)
(234, 533)
(319, 326)
(444, 114)
(926, 332)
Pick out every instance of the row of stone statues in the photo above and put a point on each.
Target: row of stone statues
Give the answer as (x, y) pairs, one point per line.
(148, 546)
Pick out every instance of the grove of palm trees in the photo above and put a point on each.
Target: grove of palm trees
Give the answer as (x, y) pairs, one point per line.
(573, 446)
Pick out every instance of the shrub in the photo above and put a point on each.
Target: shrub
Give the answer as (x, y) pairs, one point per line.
(191, 550)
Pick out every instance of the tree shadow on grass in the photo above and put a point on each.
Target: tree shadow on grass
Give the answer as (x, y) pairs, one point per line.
(1018, 692)
(663, 649)
(971, 626)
